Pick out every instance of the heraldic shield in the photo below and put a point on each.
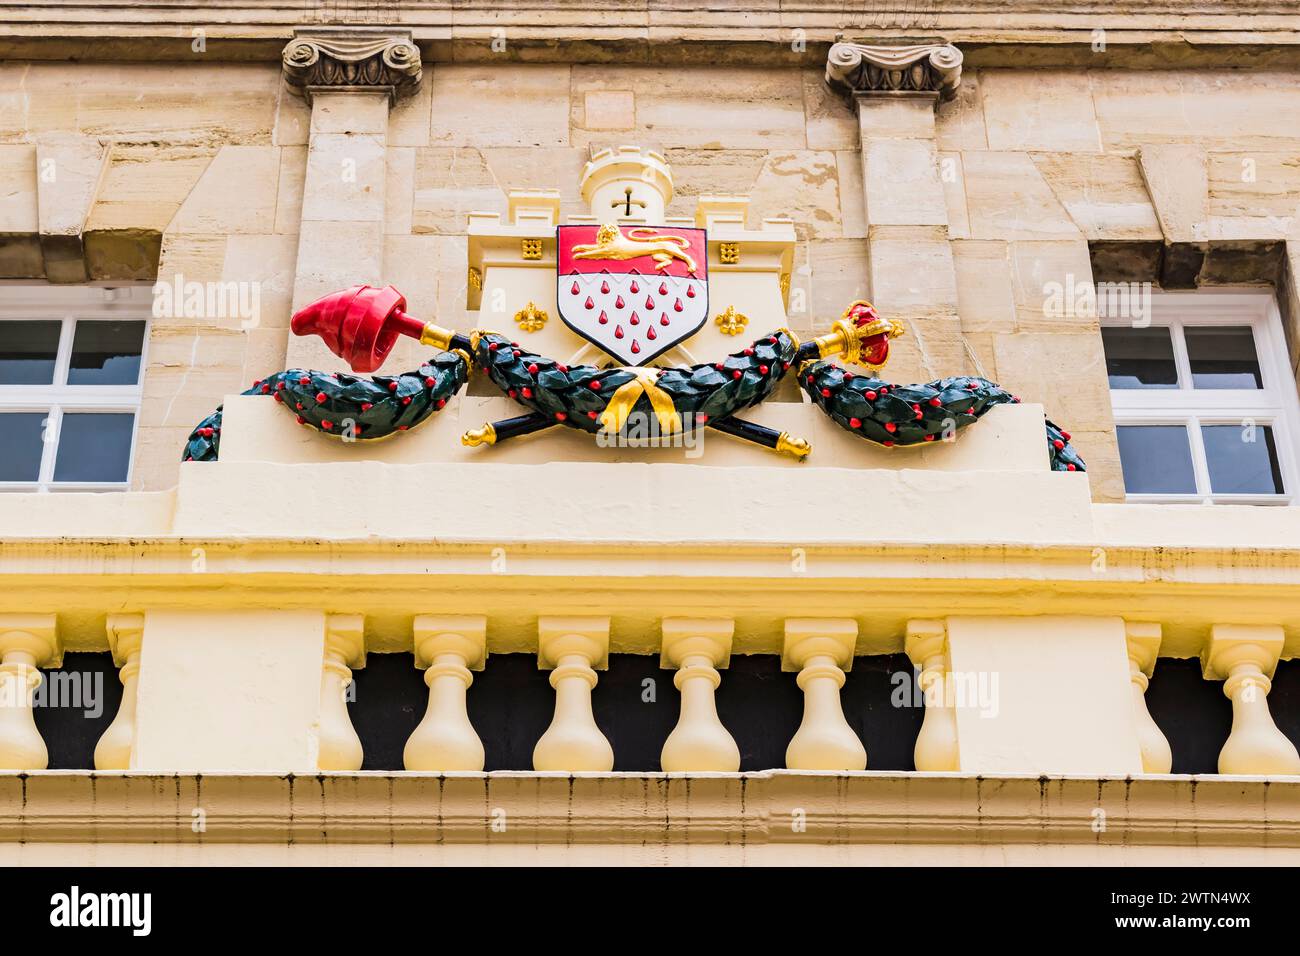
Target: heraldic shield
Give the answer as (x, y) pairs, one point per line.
(633, 291)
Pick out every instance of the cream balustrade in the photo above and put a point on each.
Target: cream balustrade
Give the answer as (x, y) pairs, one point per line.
(1143, 647)
(821, 650)
(1022, 707)
(926, 643)
(27, 642)
(125, 641)
(697, 647)
(1245, 658)
(573, 648)
(345, 649)
(448, 647)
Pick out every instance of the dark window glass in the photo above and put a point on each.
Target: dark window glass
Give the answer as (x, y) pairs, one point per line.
(21, 445)
(1242, 460)
(27, 352)
(106, 353)
(1156, 459)
(94, 447)
(1223, 357)
(1139, 358)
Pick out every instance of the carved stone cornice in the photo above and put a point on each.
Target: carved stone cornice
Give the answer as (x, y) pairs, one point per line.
(889, 70)
(350, 59)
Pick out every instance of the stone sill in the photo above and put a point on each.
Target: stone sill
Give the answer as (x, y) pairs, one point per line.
(1187, 33)
(751, 810)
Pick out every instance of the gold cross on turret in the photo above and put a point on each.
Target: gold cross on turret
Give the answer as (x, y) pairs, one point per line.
(627, 202)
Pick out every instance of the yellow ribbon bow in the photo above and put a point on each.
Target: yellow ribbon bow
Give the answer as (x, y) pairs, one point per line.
(622, 401)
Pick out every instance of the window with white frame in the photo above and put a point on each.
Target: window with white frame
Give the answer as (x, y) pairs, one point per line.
(1205, 404)
(71, 372)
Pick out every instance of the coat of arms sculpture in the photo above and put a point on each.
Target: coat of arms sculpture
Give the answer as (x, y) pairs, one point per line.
(633, 290)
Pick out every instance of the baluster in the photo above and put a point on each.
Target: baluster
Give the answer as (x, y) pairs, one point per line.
(345, 649)
(697, 647)
(27, 642)
(926, 643)
(449, 647)
(1244, 657)
(573, 648)
(1143, 648)
(821, 650)
(125, 640)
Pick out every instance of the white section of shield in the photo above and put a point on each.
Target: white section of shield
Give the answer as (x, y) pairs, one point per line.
(633, 317)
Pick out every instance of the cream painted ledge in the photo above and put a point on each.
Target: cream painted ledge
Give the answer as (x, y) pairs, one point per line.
(770, 817)
(991, 32)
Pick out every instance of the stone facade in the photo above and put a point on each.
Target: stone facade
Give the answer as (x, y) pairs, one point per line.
(1032, 166)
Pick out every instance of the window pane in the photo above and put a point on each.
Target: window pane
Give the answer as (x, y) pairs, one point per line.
(20, 445)
(94, 447)
(1242, 459)
(1139, 358)
(1157, 460)
(1223, 357)
(27, 352)
(106, 353)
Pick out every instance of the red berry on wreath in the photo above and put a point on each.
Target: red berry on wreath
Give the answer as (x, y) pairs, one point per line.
(392, 386)
(891, 427)
(736, 374)
(560, 416)
(528, 393)
(430, 381)
(320, 397)
(869, 396)
(441, 402)
(935, 402)
(532, 369)
(855, 422)
(826, 393)
(301, 420)
(407, 400)
(304, 380)
(326, 424)
(1070, 468)
(366, 406)
(762, 370)
(1058, 444)
(595, 385)
(591, 415)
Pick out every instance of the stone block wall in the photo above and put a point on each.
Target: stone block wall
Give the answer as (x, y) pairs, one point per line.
(1045, 174)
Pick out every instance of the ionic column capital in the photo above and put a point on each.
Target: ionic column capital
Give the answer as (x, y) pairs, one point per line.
(930, 70)
(352, 59)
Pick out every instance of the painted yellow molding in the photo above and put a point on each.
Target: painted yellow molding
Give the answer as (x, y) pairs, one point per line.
(697, 647)
(821, 650)
(53, 817)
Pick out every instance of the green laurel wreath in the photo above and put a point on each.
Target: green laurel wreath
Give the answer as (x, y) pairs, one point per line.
(578, 395)
(907, 415)
(346, 405)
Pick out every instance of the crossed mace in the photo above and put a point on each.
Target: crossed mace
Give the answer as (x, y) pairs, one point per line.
(361, 325)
